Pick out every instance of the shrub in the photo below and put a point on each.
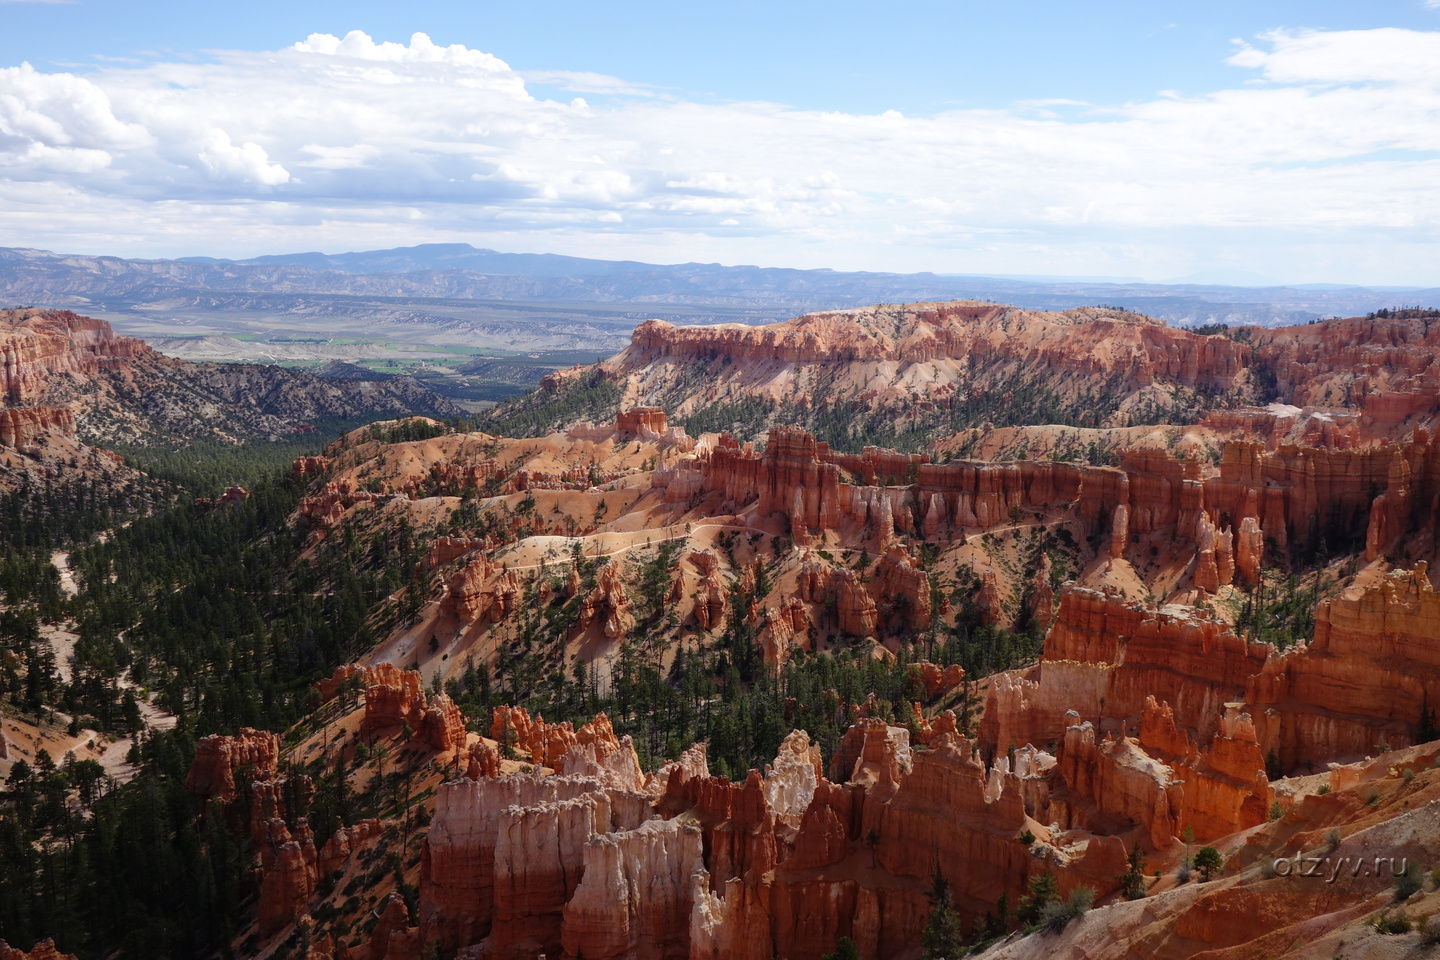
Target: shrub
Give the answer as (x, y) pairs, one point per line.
(1277, 810)
(1391, 923)
(1409, 882)
(1057, 914)
(1333, 838)
(1028, 837)
(1324, 789)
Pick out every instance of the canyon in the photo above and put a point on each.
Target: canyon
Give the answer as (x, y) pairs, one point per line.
(1221, 629)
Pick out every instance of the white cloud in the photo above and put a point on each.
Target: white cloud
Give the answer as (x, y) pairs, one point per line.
(1336, 149)
(247, 162)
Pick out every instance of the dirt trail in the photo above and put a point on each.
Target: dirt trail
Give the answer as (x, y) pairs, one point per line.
(62, 639)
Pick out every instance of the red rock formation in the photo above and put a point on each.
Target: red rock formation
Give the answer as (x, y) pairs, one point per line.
(484, 761)
(458, 864)
(991, 607)
(289, 870)
(636, 895)
(306, 467)
(359, 676)
(1115, 779)
(901, 585)
(712, 600)
(342, 843)
(854, 607)
(1125, 345)
(393, 938)
(938, 680)
(44, 950)
(286, 798)
(483, 592)
(442, 727)
(1223, 789)
(646, 422)
(219, 758)
(510, 726)
(445, 549)
(37, 345)
(19, 428)
(1042, 594)
(539, 863)
(393, 699)
(607, 604)
(1366, 677)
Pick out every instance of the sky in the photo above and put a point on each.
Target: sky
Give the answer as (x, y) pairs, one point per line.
(1273, 141)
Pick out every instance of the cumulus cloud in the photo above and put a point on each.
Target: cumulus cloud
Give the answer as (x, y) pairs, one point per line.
(1328, 142)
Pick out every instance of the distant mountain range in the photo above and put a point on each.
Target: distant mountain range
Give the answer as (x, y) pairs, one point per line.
(436, 283)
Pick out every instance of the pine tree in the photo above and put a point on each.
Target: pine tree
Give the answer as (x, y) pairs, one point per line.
(941, 939)
(1132, 881)
(1043, 890)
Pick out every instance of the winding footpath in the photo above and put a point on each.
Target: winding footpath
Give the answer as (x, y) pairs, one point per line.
(62, 639)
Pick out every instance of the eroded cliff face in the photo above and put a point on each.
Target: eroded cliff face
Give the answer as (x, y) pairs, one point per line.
(22, 427)
(118, 388)
(938, 349)
(38, 345)
(691, 865)
(1211, 706)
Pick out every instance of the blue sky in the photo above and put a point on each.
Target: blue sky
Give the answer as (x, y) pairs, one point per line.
(1296, 141)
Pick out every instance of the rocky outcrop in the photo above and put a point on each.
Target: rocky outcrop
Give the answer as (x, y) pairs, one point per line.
(607, 605)
(1223, 788)
(1114, 779)
(393, 699)
(1367, 677)
(442, 726)
(989, 603)
(283, 798)
(304, 468)
(1041, 605)
(343, 842)
(483, 592)
(289, 869)
(712, 600)
(22, 427)
(645, 422)
(938, 680)
(38, 345)
(950, 342)
(393, 938)
(539, 863)
(637, 894)
(123, 390)
(445, 549)
(219, 759)
(44, 950)
(458, 861)
(903, 587)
